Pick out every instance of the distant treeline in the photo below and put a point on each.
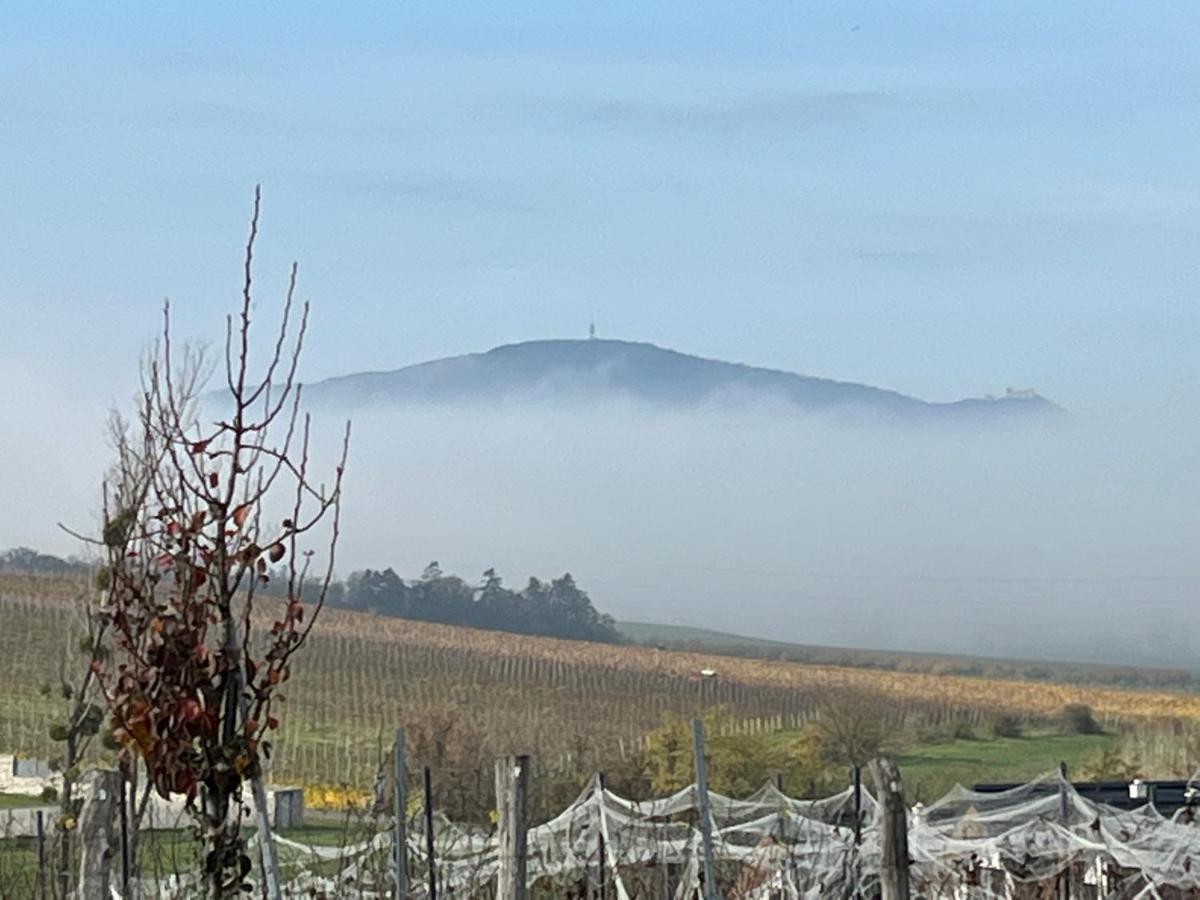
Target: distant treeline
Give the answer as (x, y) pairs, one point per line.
(24, 561)
(558, 608)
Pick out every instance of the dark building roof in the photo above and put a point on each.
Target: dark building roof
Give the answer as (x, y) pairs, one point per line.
(1167, 796)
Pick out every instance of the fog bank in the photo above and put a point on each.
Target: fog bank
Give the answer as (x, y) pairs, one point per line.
(1074, 542)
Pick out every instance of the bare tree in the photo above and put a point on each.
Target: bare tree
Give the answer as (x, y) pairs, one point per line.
(200, 651)
(854, 725)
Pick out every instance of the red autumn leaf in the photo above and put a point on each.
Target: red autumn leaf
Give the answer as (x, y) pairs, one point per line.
(199, 447)
(276, 552)
(272, 722)
(213, 480)
(239, 514)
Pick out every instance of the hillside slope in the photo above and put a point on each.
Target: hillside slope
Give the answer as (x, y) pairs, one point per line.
(585, 371)
(684, 637)
(488, 693)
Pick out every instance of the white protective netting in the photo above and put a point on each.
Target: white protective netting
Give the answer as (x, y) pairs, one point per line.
(1032, 841)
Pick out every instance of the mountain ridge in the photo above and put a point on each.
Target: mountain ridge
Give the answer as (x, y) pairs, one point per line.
(594, 369)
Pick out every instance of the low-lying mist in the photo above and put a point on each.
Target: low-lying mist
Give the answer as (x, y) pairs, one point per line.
(1072, 541)
(1075, 540)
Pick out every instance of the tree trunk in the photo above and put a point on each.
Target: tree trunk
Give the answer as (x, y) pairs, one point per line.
(222, 835)
(217, 842)
(96, 836)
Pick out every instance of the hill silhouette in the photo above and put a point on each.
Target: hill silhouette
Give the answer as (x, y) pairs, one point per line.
(583, 372)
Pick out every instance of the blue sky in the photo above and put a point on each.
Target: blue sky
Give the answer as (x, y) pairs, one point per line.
(939, 198)
(943, 199)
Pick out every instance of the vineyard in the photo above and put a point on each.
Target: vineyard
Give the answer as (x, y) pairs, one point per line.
(467, 696)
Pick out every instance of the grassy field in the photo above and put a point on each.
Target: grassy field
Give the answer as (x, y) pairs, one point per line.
(931, 769)
(931, 765)
(467, 696)
(19, 801)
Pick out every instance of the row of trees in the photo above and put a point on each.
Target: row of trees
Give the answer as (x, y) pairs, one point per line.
(558, 608)
(27, 561)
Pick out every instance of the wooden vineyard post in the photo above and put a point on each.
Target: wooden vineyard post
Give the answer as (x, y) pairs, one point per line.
(123, 810)
(430, 856)
(512, 788)
(1064, 809)
(136, 812)
(96, 836)
(266, 839)
(893, 841)
(1064, 814)
(602, 850)
(856, 779)
(269, 853)
(710, 880)
(41, 855)
(400, 836)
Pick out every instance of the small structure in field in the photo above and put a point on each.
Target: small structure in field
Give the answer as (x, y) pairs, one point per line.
(288, 807)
